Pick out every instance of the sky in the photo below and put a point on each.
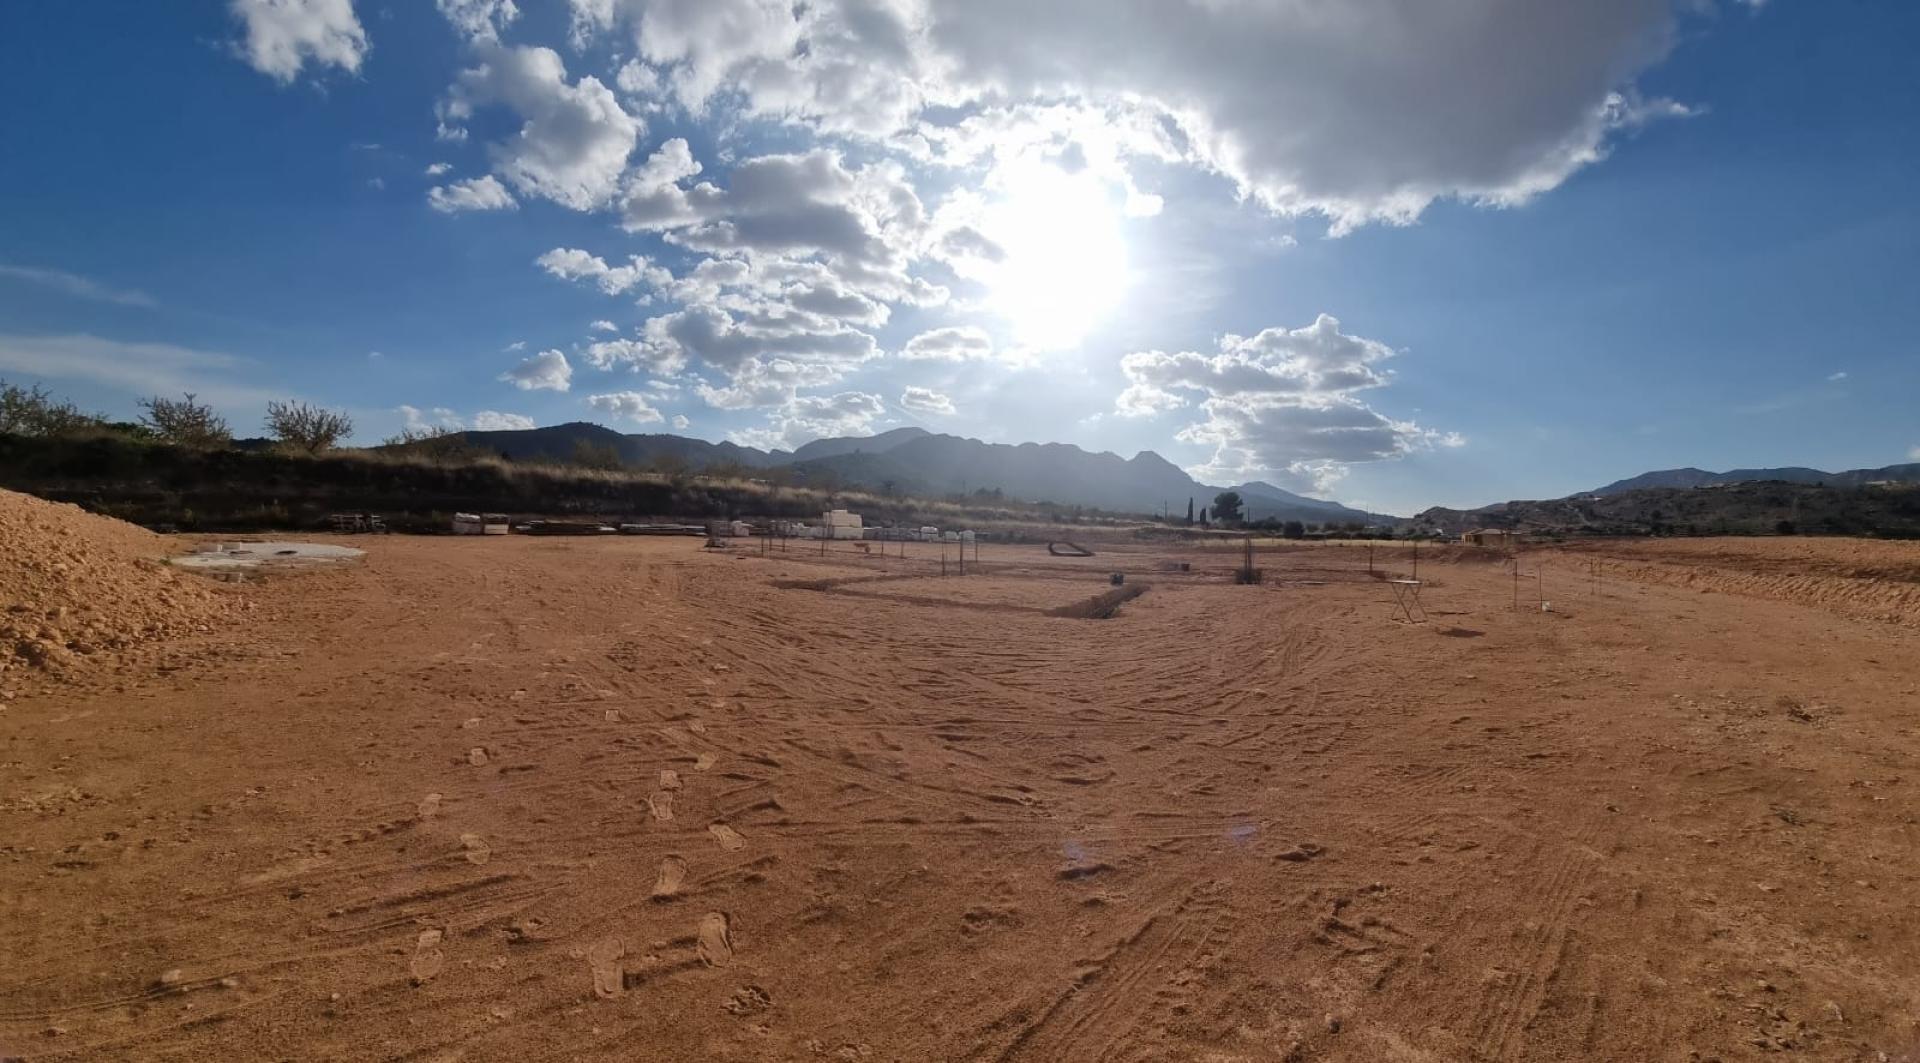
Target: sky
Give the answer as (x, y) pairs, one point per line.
(1392, 252)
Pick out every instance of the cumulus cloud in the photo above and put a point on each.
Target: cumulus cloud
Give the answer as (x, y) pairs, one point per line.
(483, 421)
(1365, 111)
(1280, 401)
(603, 326)
(955, 344)
(926, 400)
(626, 405)
(479, 193)
(574, 137)
(768, 383)
(495, 421)
(635, 355)
(282, 36)
(479, 20)
(680, 422)
(546, 371)
(859, 222)
(809, 417)
(573, 264)
(439, 169)
(731, 343)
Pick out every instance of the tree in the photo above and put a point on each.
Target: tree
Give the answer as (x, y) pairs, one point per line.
(1226, 506)
(1189, 511)
(185, 422)
(438, 444)
(33, 412)
(1293, 529)
(311, 429)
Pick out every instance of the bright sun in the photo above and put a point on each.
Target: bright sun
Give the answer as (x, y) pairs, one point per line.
(1066, 260)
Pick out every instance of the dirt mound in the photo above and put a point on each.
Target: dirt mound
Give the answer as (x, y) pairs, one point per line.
(75, 586)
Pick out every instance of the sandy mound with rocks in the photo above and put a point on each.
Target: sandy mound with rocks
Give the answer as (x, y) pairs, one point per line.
(75, 586)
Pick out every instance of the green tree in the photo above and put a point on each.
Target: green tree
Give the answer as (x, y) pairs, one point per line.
(1226, 506)
(1293, 529)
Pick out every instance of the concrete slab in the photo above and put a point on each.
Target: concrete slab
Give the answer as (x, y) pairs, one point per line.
(241, 555)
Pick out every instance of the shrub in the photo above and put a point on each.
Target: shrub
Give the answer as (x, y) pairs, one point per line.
(305, 428)
(33, 412)
(439, 445)
(185, 422)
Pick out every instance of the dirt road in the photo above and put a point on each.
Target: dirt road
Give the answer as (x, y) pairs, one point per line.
(627, 799)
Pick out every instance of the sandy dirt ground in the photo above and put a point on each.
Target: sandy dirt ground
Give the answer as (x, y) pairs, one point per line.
(632, 800)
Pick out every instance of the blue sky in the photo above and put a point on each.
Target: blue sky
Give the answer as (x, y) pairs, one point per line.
(1395, 255)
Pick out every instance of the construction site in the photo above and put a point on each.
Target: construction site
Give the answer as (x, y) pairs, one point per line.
(637, 797)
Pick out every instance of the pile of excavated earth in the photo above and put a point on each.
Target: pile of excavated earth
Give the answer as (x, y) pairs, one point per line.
(76, 586)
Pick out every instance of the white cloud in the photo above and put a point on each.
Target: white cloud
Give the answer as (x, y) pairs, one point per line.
(638, 356)
(282, 35)
(1835, 378)
(604, 326)
(926, 400)
(732, 342)
(483, 421)
(766, 383)
(133, 368)
(1280, 401)
(574, 139)
(680, 422)
(573, 264)
(479, 20)
(1364, 111)
(77, 286)
(1913, 452)
(957, 344)
(479, 193)
(810, 417)
(546, 371)
(438, 169)
(628, 405)
(494, 421)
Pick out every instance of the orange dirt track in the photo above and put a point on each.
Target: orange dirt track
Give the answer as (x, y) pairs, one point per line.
(533, 799)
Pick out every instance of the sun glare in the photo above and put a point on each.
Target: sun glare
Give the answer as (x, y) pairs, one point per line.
(1066, 259)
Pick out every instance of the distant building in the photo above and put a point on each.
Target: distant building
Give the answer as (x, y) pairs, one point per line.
(1500, 537)
(840, 524)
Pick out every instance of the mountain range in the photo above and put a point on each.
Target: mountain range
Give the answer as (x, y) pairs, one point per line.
(913, 461)
(1882, 501)
(1690, 477)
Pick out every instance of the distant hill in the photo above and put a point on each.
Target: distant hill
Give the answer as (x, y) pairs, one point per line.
(880, 444)
(1750, 507)
(913, 461)
(559, 442)
(1793, 474)
(939, 465)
